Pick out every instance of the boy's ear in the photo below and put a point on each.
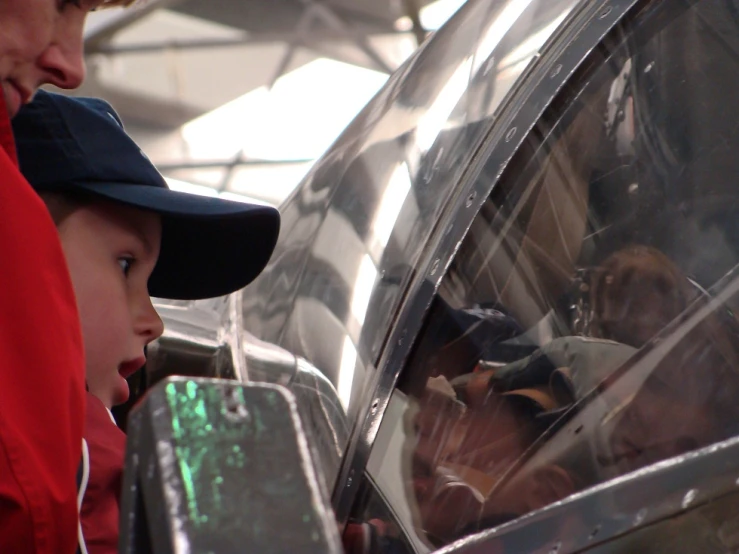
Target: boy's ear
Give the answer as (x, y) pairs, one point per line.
(549, 484)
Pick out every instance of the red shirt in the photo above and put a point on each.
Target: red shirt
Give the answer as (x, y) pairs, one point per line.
(106, 448)
(42, 373)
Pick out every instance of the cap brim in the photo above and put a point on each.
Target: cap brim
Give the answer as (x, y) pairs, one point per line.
(210, 247)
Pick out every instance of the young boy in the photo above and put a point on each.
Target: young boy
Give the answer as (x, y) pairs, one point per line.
(125, 236)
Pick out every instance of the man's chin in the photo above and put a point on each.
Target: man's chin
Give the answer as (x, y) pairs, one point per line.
(12, 97)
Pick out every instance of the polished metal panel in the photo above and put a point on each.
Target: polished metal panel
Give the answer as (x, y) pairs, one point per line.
(356, 230)
(323, 416)
(577, 36)
(201, 339)
(266, 362)
(583, 526)
(205, 338)
(201, 473)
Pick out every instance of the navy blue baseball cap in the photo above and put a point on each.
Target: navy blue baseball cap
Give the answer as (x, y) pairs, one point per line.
(210, 246)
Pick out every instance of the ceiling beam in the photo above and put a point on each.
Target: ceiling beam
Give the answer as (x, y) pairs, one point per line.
(201, 44)
(413, 12)
(132, 107)
(103, 24)
(337, 24)
(329, 47)
(237, 161)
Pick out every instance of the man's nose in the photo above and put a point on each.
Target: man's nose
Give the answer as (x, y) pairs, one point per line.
(63, 65)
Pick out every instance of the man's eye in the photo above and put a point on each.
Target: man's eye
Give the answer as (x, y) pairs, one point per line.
(125, 264)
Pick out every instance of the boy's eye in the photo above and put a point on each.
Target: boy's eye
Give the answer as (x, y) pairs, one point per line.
(125, 264)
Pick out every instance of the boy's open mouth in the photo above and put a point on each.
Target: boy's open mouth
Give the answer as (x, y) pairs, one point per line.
(126, 369)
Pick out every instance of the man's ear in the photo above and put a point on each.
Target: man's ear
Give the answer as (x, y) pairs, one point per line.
(549, 484)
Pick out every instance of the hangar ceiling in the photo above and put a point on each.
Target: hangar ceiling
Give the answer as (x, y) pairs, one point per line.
(240, 96)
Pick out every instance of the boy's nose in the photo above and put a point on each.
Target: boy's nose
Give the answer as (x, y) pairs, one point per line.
(149, 325)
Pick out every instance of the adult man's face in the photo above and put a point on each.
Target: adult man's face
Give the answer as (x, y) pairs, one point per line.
(40, 42)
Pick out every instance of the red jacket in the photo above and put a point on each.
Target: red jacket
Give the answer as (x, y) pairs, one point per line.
(42, 375)
(101, 479)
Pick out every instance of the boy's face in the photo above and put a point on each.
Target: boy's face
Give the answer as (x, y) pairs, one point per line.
(111, 251)
(41, 42)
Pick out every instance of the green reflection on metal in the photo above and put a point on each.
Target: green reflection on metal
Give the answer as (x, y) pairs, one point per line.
(172, 392)
(181, 420)
(200, 429)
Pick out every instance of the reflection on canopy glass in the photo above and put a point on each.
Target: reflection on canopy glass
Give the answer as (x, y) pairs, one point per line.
(586, 328)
